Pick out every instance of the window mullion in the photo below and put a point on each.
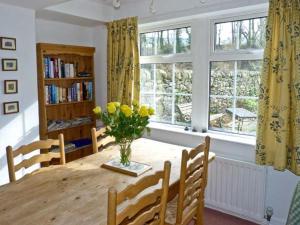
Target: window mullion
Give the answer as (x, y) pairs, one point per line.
(234, 95)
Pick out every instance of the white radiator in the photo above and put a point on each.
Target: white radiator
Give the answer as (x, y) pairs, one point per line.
(236, 188)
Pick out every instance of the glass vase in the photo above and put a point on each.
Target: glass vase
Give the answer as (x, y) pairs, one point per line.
(125, 152)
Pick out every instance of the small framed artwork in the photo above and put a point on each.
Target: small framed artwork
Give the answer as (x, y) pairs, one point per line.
(9, 64)
(7, 43)
(10, 86)
(10, 107)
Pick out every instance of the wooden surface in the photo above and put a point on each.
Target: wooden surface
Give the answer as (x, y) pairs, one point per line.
(100, 139)
(84, 58)
(39, 158)
(193, 180)
(76, 193)
(146, 208)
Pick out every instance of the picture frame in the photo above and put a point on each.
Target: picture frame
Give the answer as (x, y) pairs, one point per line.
(9, 64)
(10, 107)
(10, 86)
(8, 43)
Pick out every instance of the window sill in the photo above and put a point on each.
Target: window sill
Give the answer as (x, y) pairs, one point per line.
(234, 138)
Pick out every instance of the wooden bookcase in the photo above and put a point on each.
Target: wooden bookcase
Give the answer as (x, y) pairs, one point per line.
(66, 110)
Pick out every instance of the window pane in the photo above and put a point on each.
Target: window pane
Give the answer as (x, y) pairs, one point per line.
(147, 99)
(252, 33)
(163, 108)
(219, 118)
(183, 78)
(248, 76)
(165, 42)
(246, 118)
(183, 40)
(164, 78)
(225, 36)
(221, 80)
(147, 45)
(233, 101)
(183, 110)
(147, 78)
(244, 34)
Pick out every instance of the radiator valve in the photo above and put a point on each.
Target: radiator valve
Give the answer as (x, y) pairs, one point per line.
(269, 213)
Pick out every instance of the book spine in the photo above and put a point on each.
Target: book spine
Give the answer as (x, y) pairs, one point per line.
(59, 67)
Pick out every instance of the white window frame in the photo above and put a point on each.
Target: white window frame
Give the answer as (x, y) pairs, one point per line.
(230, 55)
(170, 58)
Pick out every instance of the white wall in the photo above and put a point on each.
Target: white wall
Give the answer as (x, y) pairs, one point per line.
(63, 33)
(69, 34)
(100, 43)
(21, 128)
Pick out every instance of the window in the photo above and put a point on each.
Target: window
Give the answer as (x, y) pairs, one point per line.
(166, 74)
(235, 68)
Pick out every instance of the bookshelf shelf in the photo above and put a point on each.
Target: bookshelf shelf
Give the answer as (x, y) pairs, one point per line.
(68, 79)
(69, 103)
(67, 128)
(66, 100)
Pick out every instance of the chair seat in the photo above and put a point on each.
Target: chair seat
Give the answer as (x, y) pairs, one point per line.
(171, 211)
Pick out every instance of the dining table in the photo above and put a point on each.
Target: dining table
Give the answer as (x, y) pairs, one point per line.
(76, 193)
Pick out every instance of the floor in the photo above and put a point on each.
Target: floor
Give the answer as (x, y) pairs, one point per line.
(212, 217)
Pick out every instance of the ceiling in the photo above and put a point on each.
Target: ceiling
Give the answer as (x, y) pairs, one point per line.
(33, 4)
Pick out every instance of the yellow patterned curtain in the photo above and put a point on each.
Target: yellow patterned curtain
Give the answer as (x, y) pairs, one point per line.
(278, 136)
(123, 70)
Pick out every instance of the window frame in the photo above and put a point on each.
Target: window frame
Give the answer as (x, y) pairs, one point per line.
(167, 59)
(229, 55)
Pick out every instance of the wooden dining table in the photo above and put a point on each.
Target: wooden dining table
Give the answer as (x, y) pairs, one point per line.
(76, 193)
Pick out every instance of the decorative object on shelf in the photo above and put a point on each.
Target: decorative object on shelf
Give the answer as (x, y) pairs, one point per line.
(10, 86)
(135, 169)
(7, 43)
(10, 107)
(9, 64)
(125, 123)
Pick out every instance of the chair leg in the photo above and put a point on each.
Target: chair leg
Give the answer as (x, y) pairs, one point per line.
(200, 212)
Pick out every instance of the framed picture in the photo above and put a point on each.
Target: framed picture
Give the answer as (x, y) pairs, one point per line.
(10, 86)
(9, 64)
(7, 43)
(10, 107)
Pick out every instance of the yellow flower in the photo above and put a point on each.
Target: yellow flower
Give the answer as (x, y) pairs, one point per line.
(111, 108)
(143, 112)
(126, 110)
(151, 111)
(117, 104)
(97, 110)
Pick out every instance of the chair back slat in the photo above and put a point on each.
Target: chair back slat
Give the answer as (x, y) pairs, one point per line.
(134, 189)
(26, 149)
(150, 215)
(150, 208)
(26, 163)
(193, 180)
(45, 144)
(133, 209)
(100, 139)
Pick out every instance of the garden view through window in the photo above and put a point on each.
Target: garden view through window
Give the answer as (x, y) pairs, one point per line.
(234, 83)
(166, 82)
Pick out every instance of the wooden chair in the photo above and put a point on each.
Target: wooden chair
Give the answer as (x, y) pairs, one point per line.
(37, 145)
(189, 204)
(100, 139)
(148, 209)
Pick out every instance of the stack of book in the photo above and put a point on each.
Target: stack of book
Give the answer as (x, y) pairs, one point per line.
(76, 93)
(62, 124)
(57, 68)
(69, 147)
